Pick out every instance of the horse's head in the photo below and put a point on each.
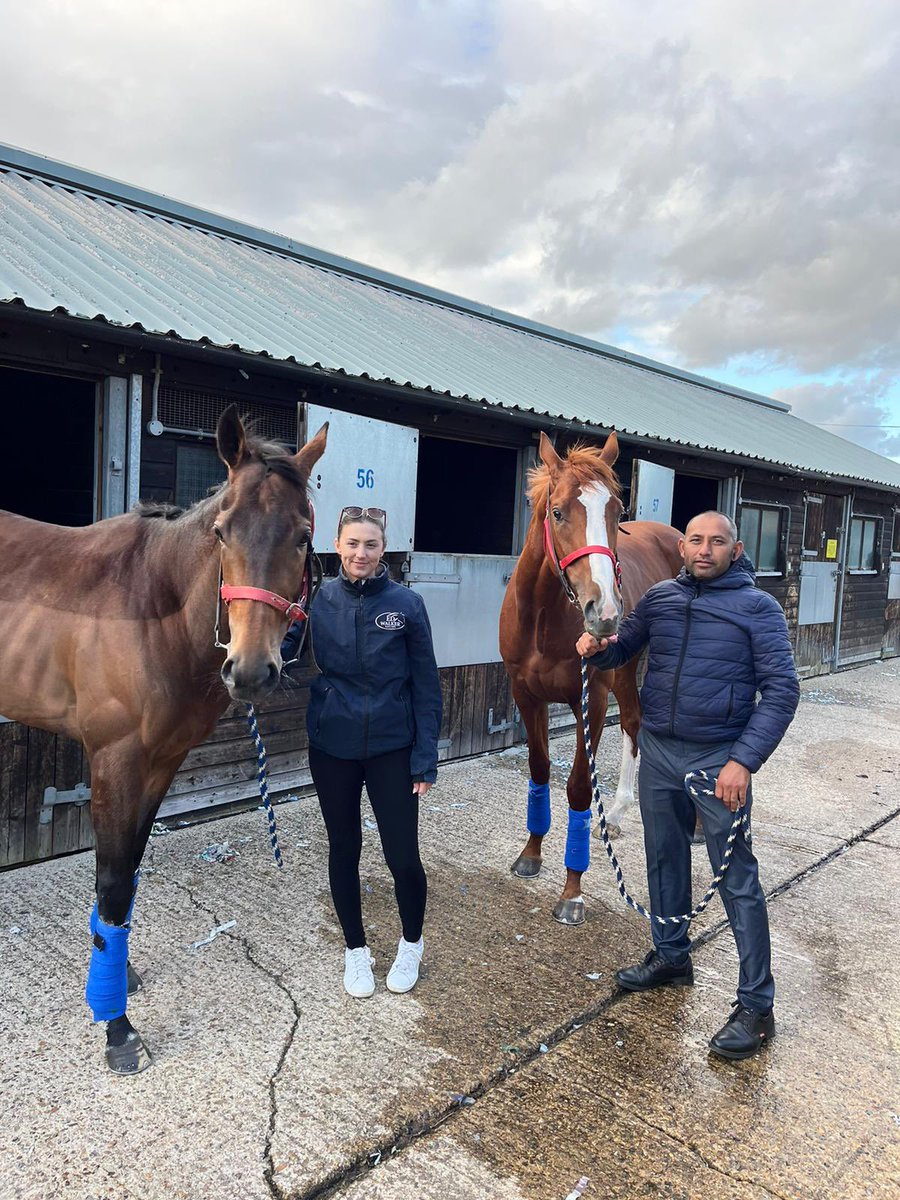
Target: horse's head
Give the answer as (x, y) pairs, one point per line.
(578, 499)
(264, 526)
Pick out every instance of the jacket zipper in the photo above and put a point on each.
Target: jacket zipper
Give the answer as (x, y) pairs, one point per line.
(687, 633)
(360, 622)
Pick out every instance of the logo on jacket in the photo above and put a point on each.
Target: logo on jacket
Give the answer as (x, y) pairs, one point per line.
(394, 620)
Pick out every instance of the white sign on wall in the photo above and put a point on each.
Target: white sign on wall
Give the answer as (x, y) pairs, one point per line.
(651, 489)
(367, 463)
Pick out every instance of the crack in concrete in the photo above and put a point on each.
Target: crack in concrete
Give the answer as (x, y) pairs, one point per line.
(278, 980)
(413, 1130)
(707, 1162)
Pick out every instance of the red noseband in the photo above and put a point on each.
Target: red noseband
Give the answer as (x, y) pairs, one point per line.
(291, 609)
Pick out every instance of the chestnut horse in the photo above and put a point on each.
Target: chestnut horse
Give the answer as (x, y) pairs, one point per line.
(568, 581)
(108, 635)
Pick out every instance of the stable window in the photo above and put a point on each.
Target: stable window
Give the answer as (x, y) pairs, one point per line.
(465, 497)
(895, 540)
(198, 469)
(50, 436)
(863, 552)
(762, 532)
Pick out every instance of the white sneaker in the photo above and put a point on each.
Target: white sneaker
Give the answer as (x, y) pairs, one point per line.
(404, 974)
(358, 978)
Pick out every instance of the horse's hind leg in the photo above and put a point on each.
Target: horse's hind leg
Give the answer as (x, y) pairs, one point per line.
(135, 983)
(626, 693)
(569, 909)
(535, 718)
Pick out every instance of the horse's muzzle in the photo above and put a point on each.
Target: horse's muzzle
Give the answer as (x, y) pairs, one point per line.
(250, 682)
(596, 625)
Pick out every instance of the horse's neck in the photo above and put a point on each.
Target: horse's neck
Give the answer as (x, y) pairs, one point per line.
(191, 567)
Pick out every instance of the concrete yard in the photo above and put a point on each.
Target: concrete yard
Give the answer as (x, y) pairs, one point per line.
(516, 1067)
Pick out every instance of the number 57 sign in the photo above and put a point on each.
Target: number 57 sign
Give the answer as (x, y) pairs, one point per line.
(366, 462)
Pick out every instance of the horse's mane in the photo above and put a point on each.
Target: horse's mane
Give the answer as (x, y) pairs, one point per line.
(274, 458)
(586, 463)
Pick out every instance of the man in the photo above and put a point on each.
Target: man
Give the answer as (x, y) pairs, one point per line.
(715, 641)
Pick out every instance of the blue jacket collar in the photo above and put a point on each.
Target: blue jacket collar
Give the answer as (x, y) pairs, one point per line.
(367, 587)
(741, 573)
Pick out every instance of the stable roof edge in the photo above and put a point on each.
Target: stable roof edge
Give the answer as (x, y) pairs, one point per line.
(52, 170)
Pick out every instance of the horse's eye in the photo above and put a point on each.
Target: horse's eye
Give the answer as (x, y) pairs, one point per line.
(557, 515)
(218, 532)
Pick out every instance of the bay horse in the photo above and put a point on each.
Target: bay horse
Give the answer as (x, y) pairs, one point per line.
(109, 634)
(573, 576)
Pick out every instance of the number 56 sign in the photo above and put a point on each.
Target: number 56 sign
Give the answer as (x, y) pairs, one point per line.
(366, 462)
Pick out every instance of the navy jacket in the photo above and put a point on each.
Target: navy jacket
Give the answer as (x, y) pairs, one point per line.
(712, 646)
(379, 689)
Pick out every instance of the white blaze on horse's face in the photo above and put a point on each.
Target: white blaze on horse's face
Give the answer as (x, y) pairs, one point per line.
(606, 611)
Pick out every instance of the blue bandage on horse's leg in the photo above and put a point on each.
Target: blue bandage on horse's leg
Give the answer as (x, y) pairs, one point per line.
(107, 981)
(578, 840)
(538, 808)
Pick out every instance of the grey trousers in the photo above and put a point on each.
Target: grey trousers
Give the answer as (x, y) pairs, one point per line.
(668, 813)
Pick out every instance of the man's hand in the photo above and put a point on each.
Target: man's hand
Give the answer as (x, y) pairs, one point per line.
(588, 645)
(421, 789)
(732, 784)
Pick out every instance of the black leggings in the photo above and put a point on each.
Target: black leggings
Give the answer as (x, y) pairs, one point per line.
(339, 783)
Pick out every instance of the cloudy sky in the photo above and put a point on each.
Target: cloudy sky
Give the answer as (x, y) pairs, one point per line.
(713, 183)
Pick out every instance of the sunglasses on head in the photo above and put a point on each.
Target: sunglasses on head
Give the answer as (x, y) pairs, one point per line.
(352, 512)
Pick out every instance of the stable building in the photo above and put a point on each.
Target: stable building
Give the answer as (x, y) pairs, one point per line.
(128, 321)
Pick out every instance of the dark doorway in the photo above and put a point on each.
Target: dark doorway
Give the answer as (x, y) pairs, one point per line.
(49, 436)
(465, 497)
(692, 494)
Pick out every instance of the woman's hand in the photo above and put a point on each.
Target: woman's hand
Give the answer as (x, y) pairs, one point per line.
(421, 789)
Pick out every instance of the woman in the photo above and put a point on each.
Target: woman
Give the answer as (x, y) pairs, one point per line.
(373, 719)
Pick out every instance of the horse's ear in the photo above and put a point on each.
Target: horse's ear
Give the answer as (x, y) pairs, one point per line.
(231, 438)
(549, 457)
(610, 451)
(310, 454)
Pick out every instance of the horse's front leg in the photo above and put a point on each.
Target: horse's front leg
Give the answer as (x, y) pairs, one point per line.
(536, 721)
(121, 829)
(569, 909)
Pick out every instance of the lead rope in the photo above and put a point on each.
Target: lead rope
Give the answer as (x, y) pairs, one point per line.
(695, 783)
(262, 776)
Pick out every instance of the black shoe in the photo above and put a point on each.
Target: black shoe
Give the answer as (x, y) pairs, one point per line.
(655, 972)
(744, 1034)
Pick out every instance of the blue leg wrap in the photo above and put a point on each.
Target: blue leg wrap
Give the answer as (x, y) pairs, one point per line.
(578, 840)
(107, 981)
(538, 808)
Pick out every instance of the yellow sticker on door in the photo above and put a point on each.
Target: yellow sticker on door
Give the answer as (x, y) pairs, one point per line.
(831, 548)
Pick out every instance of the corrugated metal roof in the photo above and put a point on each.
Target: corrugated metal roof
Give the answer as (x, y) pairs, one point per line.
(67, 247)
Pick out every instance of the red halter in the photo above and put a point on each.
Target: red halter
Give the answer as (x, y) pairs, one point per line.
(561, 563)
(294, 610)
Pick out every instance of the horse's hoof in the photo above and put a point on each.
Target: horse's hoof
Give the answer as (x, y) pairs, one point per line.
(569, 912)
(614, 831)
(130, 1058)
(525, 867)
(135, 983)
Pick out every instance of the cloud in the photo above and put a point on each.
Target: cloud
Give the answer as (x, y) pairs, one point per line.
(718, 180)
(856, 410)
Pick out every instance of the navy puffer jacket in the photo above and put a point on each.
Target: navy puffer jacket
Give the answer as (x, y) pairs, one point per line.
(712, 646)
(379, 689)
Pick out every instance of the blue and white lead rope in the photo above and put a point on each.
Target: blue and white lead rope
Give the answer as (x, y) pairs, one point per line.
(262, 775)
(694, 788)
